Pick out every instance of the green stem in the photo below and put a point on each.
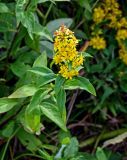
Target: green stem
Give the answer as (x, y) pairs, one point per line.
(6, 146)
(27, 154)
(40, 14)
(106, 135)
(47, 13)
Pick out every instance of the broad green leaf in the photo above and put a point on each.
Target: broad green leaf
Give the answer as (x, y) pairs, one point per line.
(52, 26)
(9, 129)
(72, 149)
(28, 140)
(48, 47)
(100, 154)
(6, 104)
(52, 112)
(46, 75)
(19, 68)
(32, 120)
(33, 113)
(80, 83)
(41, 60)
(59, 83)
(7, 22)
(20, 5)
(61, 100)
(37, 98)
(3, 8)
(24, 91)
(29, 21)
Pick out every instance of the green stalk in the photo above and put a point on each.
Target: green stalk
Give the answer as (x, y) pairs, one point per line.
(6, 146)
(27, 154)
(107, 135)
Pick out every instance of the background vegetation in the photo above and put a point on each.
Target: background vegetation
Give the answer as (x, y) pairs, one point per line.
(34, 122)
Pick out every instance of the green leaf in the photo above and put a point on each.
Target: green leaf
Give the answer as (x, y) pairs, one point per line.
(61, 100)
(85, 54)
(41, 60)
(19, 68)
(52, 112)
(72, 149)
(30, 141)
(9, 129)
(80, 83)
(3, 8)
(7, 22)
(85, 4)
(46, 75)
(24, 91)
(6, 104)
(33, 113)
(58, 83)
(32, 120)
(52, 26)
(107, 92)
(29, 21)
(100, 154)
(19, 10)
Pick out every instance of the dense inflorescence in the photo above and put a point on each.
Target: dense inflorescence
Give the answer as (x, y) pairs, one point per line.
(66, 54)
(108, 14)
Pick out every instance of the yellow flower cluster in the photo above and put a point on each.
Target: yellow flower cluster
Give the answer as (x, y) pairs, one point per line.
(123, 54)
(66, 54)
(109, 11)
(121, 35)
(98, 42)
(98, 15)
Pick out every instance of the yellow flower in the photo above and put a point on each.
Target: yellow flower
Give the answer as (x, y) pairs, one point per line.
(66, 54)
(113, 21)
(98, 15)
(78, 61)
(98, 43)
(121, 34)
(122, 23)
(123, 54)
(66, 73)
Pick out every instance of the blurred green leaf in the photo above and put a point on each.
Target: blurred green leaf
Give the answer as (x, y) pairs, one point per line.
(28, 140)
(6, 104)
(41, 60)
(85, 4)
(100, 154)
(72, 149)
(53, 25)
(9, 129)
(3, 8)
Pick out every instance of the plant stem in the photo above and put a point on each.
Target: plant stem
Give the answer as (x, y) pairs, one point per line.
(47, 13)
(109, 134)
(40, 14)
(27, 154)
(6, 146)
